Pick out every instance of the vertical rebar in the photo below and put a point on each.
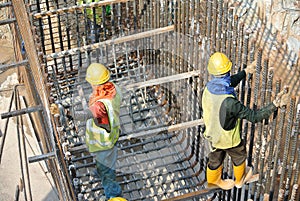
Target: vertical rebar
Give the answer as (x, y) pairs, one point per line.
(224, 27)
(234, 43)
(278, 150)
(287, 143)
(220, 21)
(272, 133)
(209, 21)
(294, 138)
(263, 140)
(229, 32)
(255, 103)
(214, 25)
(294, 192)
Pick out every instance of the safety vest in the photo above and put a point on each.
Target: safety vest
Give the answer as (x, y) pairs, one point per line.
(220, 138)
(97, 138)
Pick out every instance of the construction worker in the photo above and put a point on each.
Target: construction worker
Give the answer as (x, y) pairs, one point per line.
(94, 18)
(102, 131)
(222, 113)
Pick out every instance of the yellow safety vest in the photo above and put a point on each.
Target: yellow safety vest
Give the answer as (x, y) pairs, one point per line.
(220, 138)
(97, 138)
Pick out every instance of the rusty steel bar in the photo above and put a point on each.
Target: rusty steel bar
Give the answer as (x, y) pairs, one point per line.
(224, 26)
(252, 131)
(264, 133)
(293, 149)
(278, 150)
(229, 32)
(209, 20)
(272, 138)
(219, 25)
(294, 192)
(287, 142)
(214, 25)
(234, 42)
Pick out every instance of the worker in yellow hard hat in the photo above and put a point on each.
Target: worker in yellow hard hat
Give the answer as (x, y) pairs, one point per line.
(102, 131)
(222, 113)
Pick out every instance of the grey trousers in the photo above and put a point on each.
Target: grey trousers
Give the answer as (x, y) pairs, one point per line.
(238, 155)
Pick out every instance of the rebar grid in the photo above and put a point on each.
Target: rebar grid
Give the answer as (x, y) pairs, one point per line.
(140, 41)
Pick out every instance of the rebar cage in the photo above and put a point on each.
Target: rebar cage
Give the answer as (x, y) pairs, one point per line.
(157, 51)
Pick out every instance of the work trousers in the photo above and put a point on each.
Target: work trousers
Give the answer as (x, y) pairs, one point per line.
(105, 163)
(238, 155)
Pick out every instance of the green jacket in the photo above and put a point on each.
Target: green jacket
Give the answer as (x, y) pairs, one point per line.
(97, 137)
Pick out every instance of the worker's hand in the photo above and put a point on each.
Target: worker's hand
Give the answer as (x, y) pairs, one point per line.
(251, 68)
(54, 109)
(282, 98)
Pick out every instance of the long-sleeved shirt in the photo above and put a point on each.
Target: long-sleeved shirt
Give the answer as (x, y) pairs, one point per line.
(232, 109)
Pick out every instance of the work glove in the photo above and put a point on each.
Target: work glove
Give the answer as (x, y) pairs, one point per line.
(251, 68)
(282, 98)
(54, 109)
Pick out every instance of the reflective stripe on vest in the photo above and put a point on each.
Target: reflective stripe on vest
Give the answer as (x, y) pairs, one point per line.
(97, 138)
(214, 132)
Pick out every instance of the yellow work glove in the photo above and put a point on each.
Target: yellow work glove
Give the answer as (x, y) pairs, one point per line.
(54, 109)
(282, 98)
(251, 68)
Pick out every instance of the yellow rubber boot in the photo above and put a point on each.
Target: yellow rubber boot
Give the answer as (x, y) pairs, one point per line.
(241, 175)
(214, 179)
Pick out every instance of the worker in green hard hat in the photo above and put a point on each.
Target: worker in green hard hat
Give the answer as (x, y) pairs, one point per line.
(222, 112)
(95, 15)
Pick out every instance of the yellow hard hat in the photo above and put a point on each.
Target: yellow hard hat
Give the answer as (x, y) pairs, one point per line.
(219, 64)
(97, 74)
(117, 199)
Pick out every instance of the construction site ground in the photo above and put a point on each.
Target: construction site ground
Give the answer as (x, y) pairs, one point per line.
(10, 173)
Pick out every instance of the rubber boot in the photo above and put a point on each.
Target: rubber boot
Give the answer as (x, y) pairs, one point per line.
(214, 179)
(242, 175)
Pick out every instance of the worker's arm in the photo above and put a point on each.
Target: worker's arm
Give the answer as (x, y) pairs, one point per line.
(232, 109)
(235, 79)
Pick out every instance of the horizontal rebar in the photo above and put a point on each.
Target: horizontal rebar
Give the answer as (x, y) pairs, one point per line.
(5, 4)
(21, 111)
(7, 21)
(149, 133)
(37, 158)
(13, 65)
(119, 40)
(163, 80)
